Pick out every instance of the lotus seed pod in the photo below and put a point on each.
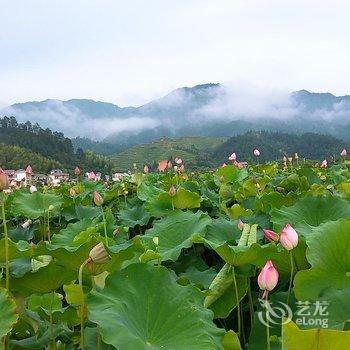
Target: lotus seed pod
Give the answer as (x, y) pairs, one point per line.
(51, 207)
(98, 254)
(72, 192)
(155, 240)
(27, 223)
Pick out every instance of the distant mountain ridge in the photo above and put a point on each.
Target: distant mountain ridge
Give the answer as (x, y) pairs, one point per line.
(203, 110)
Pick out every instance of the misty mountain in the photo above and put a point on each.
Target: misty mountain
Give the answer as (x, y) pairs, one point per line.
(202, 110)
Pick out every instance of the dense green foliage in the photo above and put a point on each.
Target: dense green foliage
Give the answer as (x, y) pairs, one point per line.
(14, 157)
(49, 149)
(153, 269)
(209, 152)
(196, 151)
(274, 145)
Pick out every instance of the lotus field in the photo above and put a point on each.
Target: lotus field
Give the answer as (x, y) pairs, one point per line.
(244, 257)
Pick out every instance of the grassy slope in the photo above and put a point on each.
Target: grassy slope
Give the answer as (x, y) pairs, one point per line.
(193, 150)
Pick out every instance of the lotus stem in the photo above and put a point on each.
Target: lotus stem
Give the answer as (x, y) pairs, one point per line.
(82, 316)
(7, 259)
(237, 301)
(267, 328)
(251, 306)
(291, 275)
(104, 226)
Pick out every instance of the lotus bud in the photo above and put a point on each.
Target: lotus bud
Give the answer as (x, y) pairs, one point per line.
(284, 159)
(32, 189)
(26, 224)
(72, 192)
(4, 180)
(279, 189)
(182, 169)
(222, 178)
(146, 169)
(29, 170)
(268, 277)
(240, 224)
(98, 254)
(169, 165)
(233, 156)
(223, 165)
(51, 207)
(288, 237)
(77, 171)
(126, 192)
(98, 200)
(343, 153)
(155, 240)
(271, 236)
(296, 156)
(178, 161)
(256, 153)
(175, 167)
(290, 159)
(116, 232)
(172, 191)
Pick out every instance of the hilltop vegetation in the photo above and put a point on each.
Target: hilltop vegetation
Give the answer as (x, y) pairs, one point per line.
(196, 151)
(208, 152)
(43, 148)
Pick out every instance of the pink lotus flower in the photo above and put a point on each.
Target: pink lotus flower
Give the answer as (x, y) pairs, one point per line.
(178, 161)
(91, 175)
(256, 153)
(170, 165)
(268, 277)
(240, 165)
(223, 165)
(146, 169)
(288, 237)
(271, 236)
(77, 171)
(233, 156)
(29, 170)
(324, 164)
(343, 153)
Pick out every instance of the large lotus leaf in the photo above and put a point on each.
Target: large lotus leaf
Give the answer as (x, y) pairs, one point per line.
(136, 215)
(242, 255)
(142, 307)
(268, 201)
(34, 205)
(79, 212)
(8, 315)
(147, 192)
(177, 231)
(329, 255)
(311, 212)
(185, 199)
(221, 231)
(294, 338)
(231, 174)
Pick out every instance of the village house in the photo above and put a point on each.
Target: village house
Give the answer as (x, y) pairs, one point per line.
(57, 176)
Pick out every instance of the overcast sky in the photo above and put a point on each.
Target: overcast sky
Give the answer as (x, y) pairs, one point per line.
(129, 52)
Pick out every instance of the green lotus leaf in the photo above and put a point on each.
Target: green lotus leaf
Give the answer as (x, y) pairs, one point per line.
(136, 215)
(232, 174)
(146, 192)
(164, 315)
(49, 302)
(329, 255)
(35, 205)
(242, 255)
(311, 212)
(294, 338)
(237, 211)
(177, 231)
(79, 212)
(185, 199)
(8, 314)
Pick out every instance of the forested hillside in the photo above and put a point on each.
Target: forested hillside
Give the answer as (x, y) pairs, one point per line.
(44, 148)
